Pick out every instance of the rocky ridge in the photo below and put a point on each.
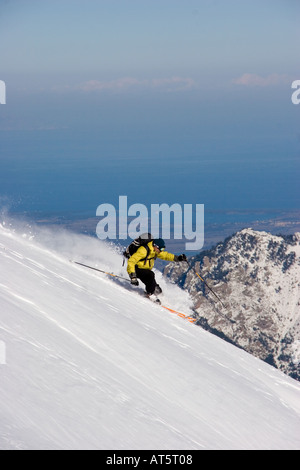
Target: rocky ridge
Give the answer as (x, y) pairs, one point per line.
(257, 277)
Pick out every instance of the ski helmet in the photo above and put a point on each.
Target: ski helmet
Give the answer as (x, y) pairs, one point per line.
(159, 243)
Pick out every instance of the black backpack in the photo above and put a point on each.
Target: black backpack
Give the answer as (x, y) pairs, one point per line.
(142, 240)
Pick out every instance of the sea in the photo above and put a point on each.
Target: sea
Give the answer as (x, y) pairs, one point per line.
(55, 177)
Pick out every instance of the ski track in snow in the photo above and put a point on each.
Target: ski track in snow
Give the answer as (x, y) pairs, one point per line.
(92, 365)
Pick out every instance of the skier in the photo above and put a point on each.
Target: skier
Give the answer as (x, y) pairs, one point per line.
(140, 264)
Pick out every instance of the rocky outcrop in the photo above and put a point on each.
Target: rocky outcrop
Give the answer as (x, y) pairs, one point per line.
(257, 277)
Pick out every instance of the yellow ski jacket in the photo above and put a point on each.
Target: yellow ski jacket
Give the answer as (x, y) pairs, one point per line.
(142, 261)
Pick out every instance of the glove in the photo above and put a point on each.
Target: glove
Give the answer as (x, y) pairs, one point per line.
(133, 279)
(180, 258)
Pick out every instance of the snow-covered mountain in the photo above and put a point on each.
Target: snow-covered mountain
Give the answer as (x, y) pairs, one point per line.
(88, 363)
(258, 276)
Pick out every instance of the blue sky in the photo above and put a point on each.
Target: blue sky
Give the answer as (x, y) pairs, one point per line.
(210, 42)
(182, 93)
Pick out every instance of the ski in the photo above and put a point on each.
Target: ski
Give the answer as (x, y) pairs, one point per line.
(155, 300)
(180, 314)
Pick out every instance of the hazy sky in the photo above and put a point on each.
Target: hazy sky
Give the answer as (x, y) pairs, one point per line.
(142, 59)
(150, 43)
(156, 80)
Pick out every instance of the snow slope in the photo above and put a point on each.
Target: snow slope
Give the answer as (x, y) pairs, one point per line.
(91, 365)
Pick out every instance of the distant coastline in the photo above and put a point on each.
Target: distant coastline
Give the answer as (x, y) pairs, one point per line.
(218, 224)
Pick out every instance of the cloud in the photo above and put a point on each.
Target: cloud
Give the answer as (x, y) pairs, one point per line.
(173, 83)
(130, 83)
(251, 79)
(114, 85)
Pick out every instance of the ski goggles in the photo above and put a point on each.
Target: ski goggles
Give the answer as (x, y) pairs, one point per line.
(160, 249)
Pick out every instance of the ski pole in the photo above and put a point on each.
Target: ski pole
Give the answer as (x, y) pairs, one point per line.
(203, 280)
(101, 271)
(223, 315)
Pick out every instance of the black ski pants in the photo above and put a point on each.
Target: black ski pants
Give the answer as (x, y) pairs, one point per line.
(148, 278)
